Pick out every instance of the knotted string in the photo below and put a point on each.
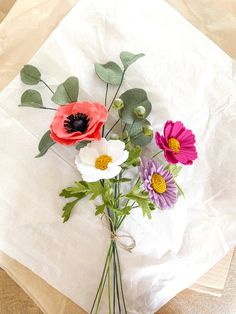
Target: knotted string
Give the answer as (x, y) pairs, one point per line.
(107, 222)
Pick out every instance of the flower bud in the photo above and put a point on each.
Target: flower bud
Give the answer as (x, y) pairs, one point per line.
(147, 130)
(140, 111)
(118, 104)
(114, 137)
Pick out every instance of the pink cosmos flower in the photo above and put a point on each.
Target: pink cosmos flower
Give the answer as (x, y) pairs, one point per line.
(177, 143)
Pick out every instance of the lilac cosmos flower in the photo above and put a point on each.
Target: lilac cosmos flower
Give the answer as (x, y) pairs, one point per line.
(159, 183)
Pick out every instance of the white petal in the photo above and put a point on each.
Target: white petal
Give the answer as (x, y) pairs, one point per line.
(111, 172)
(122, 158)
(88, 155)
(92, 177)
(101, 174)
(115, 149)
(83, 169)
(100, 146)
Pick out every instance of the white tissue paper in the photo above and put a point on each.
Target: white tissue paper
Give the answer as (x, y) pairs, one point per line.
(187, 78)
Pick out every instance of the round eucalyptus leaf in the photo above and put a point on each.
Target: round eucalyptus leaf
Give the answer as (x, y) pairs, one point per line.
(142, 140)
(127, 58)
(67, 92)
(135, 131)
(30, 75)
(110, 72)
(45, 143)
(31, 98)
(136, 127)
(132, 99)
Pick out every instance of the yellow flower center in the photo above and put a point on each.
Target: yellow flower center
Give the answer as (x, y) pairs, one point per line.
(174, 145)
(158, 183)
(102, 162)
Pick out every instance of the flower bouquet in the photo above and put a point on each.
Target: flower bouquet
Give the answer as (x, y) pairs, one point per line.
(115, 173)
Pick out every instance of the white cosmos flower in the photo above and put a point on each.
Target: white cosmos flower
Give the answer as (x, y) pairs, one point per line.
(101, 159)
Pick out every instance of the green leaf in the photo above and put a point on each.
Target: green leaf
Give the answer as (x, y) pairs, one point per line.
(141, 198)
(100, 209)
(109, 72)
(133, 98)
(136, 197)
(30, 75)
(173, 169)
(69, 192)
(45, 143)
(137, 192)
(31, 98)
(135, 131)
(81, 187)
(81, 144)
(146, 207)
(108, 195)
(134, 154)
(96, 189)
(67, 209)
(67, 92)
(143, 201)
(126, 210)
(128, 58)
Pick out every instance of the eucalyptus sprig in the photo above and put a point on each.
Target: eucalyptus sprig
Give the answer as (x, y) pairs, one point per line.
(66, 92)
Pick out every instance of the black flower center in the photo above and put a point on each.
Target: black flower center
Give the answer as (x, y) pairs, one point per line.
(76, 122)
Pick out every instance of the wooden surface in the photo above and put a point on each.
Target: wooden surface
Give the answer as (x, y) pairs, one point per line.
(190, 302)
(13, 300)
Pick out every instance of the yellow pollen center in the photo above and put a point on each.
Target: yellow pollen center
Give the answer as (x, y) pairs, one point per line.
(158, 183)
(102, 162)
(174, 145)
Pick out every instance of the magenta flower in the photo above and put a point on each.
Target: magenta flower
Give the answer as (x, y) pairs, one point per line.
(177, 143)
(159, 183)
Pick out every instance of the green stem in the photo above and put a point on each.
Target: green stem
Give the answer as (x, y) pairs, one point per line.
(133, 137)
(179, 188)
(102, 278)
(105, 100)
(156, 154)
(123, 217)
(47, 86)
(112, 127)
(117, 91)
(109, 290)
(119, 272)
(114, 288)
(103, 284)
(106, 95)
(124, 127)
(116, 278)
(129, 131)
(48, 108)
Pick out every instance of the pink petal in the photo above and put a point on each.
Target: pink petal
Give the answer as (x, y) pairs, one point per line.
(167, 129)
(177, 128)
(170, 157)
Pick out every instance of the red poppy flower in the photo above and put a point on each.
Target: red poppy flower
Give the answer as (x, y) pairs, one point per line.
(177, 143)
(78, 121)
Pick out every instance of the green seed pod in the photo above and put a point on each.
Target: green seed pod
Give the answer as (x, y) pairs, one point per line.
(118, 104)
(147, 130)
(140, 111)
